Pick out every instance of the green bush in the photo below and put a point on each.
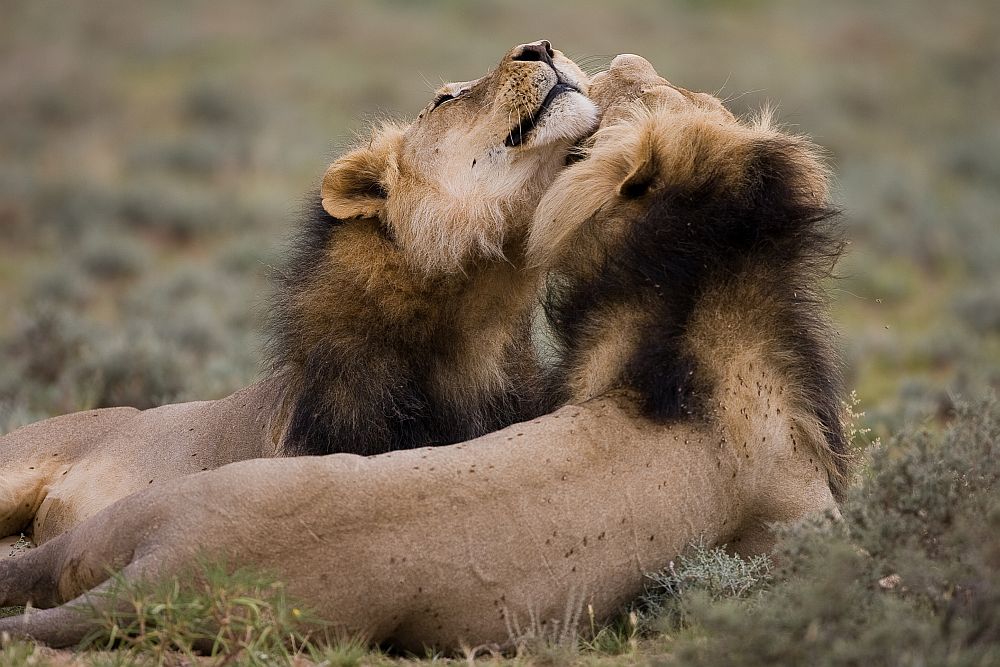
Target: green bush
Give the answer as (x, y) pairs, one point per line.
(23, 654)
(172, 212)
(135, 368)
(43, 344)
(219, 104)
(113, 260)
(911, 576)
(979, 306)
(708, 574)
(60, 287)
(203, 154)
(70, 207)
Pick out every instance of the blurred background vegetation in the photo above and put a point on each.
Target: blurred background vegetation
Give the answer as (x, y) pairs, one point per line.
(153, 156)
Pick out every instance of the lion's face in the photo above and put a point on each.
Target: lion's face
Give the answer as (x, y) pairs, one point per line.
(533, 100)
(680, 212)
(463, 179)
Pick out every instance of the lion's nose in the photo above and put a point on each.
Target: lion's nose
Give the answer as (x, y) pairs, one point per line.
(540, 51)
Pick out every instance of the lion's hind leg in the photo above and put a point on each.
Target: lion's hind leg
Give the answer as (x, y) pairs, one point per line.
(33, 577)
(69, 623)
(21, 493)
(34, 457)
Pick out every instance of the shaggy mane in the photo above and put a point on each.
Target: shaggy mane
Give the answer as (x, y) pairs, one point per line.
(747, 206)
(362, 385)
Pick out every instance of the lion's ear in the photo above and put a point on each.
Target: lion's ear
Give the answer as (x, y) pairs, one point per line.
(642, 175)
(357, 184)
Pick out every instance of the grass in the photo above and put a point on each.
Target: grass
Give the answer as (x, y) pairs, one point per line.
(151, 160)
(233, 615)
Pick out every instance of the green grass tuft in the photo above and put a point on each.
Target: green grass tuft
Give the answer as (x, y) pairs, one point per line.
(19, 653)
(238, 616)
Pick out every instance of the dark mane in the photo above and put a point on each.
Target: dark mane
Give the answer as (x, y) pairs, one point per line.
(360, 385)
(693, 239)
(307, 246)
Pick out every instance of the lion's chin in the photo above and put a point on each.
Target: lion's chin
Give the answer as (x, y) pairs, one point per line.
(571, 118)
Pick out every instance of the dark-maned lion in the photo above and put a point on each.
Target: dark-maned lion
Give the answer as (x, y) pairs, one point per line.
(401, 320)
(743, 206)
(711, 420)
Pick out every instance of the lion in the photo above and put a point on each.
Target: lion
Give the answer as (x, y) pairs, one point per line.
(713, 372)
(401, 320)
(659, 342)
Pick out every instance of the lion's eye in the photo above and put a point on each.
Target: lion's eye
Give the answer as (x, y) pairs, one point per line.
(441, 99)
(447, 97)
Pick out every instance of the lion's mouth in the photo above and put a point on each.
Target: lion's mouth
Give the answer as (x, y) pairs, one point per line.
(523, 129)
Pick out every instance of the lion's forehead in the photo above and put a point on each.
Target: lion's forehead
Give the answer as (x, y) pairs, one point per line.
(632, 80)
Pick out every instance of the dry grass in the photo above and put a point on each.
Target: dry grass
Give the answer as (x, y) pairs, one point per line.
(152, 157)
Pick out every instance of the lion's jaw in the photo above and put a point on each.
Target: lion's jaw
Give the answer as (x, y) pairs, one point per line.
(474, 167)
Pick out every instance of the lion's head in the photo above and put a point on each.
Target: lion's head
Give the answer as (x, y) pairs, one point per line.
(399, 320)
(658, 138)
(463, 179)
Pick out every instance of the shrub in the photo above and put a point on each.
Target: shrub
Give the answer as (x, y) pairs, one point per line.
(16, 413)
(43, 344)
(220, 105)
(70, 208)
(247, 256)
(979, 306)
(911, 576)
(709, 574)
(113, 258)
(60, 287)
(135, 368)
(172, 212)
(200, 155)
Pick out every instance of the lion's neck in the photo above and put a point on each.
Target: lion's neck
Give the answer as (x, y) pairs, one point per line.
(763, 354)
(374, 355)
(750, 354)
(709, 280)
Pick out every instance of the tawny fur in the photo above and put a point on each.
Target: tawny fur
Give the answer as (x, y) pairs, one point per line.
(474, 543)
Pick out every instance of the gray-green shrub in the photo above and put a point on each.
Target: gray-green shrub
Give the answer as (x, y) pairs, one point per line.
(911, 576)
